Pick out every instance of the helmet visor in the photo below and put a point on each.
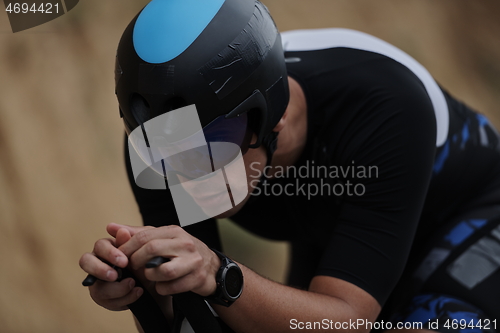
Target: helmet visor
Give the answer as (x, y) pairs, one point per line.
(175, 144)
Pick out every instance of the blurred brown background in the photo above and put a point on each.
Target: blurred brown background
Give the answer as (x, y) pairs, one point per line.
(61, 172)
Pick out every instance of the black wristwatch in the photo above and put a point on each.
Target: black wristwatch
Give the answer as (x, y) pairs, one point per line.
(229, 279)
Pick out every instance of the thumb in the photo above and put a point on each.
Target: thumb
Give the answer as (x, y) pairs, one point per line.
(113, 228)
(122, 236)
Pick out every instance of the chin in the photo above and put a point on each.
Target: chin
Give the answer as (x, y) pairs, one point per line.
(224, 215)
(228, 213)
(232, 211)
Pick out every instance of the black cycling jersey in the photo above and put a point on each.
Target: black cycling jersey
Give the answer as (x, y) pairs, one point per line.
(402, 157)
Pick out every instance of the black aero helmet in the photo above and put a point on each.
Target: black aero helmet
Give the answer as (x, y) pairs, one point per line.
(224, 56)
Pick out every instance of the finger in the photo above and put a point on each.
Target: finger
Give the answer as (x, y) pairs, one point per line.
(122, 236)
(113, 228)
(111, 290)
(141, 238)
(186, 283)
(170, 271)
(156, 261)
(94, 266)
(106, 249)
(168, 248)
(120, 303)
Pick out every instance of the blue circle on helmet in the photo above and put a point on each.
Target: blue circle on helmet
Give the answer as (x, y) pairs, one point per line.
(166, 28)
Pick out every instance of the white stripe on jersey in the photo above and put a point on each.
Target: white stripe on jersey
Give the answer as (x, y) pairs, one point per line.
(320, 39)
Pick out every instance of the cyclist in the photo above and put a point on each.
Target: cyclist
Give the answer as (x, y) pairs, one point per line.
(407, 226)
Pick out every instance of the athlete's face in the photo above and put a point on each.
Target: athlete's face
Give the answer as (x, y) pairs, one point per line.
(209, 198)
(252, 174)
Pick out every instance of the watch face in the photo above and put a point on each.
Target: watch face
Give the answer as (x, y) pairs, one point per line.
(233, 281)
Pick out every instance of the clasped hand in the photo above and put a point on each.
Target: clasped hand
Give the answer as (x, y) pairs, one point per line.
(192, 265)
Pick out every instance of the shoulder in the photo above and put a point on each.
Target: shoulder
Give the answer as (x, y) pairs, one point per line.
(337, 49)
(362, 65)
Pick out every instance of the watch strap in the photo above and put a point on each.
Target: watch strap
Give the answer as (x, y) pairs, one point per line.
(219, 296)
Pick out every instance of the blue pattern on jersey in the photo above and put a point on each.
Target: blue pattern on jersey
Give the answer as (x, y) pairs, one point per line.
(463, 230)
(422, 313)
(459, 233)
(432, 308)
(465, 135)
(467, 316)
(478, 223)
(166, 28)
(483, 121)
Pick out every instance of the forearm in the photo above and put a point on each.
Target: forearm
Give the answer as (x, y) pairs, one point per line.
(264, 306)
(267, 306)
